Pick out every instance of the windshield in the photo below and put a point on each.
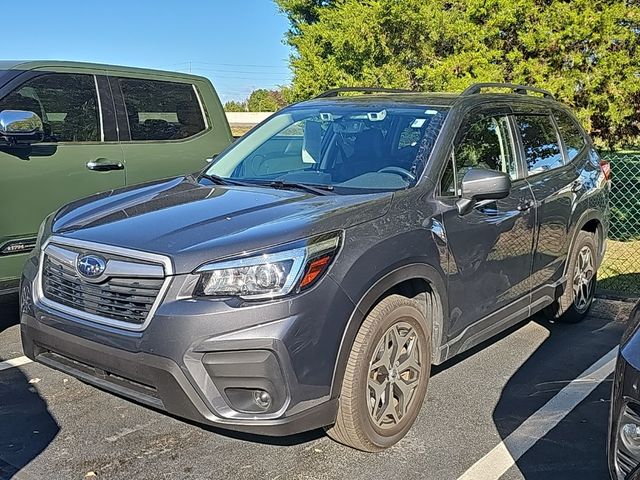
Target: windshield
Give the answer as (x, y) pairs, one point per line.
(349, 148)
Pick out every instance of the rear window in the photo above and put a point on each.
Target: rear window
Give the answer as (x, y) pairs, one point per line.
(159, 110)
(540, 142)
(574, 140)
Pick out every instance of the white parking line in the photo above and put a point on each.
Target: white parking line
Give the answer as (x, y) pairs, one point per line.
(494, 464)
(14, 362)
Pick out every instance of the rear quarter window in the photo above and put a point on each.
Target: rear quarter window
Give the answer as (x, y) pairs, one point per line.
(571, 134)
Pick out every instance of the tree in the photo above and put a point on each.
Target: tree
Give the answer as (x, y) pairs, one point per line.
(263, 100)
(234, 106)
(585, 51)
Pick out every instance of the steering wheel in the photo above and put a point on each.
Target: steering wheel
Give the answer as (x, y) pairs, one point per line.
(403, 172)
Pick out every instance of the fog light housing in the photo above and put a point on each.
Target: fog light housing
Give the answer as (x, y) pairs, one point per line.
(262, 399)
(249, 381)
(250, 400)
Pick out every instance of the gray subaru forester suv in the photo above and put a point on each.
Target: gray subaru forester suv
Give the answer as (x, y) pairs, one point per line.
(316, 270)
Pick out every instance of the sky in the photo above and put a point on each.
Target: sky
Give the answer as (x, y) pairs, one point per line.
(238, 44)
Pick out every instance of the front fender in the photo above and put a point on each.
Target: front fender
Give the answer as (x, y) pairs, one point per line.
(432, 275)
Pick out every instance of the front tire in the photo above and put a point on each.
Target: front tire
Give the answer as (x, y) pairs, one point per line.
(386, 377)
(574, 303)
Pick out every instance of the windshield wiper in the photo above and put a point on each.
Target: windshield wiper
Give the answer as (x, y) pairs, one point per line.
(225, 181)
(317, 189)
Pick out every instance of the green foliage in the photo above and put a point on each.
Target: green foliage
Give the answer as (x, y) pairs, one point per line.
(263, 100)
(585, 51)
(233, 106)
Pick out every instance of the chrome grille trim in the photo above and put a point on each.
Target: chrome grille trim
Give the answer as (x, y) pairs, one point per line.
(161, 270)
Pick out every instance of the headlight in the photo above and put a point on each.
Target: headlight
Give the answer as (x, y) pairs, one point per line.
(629, 431)
(271, 274)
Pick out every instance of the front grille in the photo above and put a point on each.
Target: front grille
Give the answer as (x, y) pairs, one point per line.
(119, 298)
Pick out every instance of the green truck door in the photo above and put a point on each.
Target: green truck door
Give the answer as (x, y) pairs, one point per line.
(165, 128)
(72, 162)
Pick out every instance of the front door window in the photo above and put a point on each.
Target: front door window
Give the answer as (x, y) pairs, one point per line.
(484, 142)
(66, 103)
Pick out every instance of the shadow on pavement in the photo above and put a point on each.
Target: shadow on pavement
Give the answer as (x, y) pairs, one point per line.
(576, 447)
(8, 312)
(26, 426)
(288, 441)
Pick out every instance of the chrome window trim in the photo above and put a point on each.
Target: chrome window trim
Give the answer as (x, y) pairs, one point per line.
(202, 112)
(40, 299)
(95, 82)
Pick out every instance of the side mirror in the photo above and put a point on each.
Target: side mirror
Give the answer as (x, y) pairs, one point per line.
(20, 127)
(482, 184)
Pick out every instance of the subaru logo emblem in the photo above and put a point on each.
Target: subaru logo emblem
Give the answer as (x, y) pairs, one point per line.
(91, 266)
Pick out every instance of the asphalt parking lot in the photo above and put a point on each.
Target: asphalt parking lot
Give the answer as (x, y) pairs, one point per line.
(494, 413)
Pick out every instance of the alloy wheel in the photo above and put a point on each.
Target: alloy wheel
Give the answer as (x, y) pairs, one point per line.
(395, 371)
(583, 278)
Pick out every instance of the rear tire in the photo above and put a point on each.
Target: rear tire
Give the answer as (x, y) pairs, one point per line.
(574, 303)
(386, 377)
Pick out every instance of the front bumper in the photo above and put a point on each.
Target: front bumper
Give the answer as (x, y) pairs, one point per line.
(198, 359)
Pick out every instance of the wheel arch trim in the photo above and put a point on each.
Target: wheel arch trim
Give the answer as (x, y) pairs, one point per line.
(419, 271)
(577, 227)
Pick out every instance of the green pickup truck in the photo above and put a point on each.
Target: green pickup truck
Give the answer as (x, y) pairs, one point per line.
(69, 130)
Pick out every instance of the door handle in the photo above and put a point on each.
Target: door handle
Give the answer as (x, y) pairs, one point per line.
(104, 165)
(524, 205)
(576, 186)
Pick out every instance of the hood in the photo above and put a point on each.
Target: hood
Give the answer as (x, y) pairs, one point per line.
(194, 224)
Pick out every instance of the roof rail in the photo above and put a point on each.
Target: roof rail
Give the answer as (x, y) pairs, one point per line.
(519, 89)
(335, 91)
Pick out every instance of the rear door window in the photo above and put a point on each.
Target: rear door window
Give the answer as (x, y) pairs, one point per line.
(66, 103)
(572, 135)
(158, 110)
(540, 142)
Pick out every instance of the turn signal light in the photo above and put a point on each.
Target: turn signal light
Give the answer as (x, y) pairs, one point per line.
(314, 270)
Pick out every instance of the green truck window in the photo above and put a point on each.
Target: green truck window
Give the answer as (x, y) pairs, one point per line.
(159, 110)
(66, 103)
